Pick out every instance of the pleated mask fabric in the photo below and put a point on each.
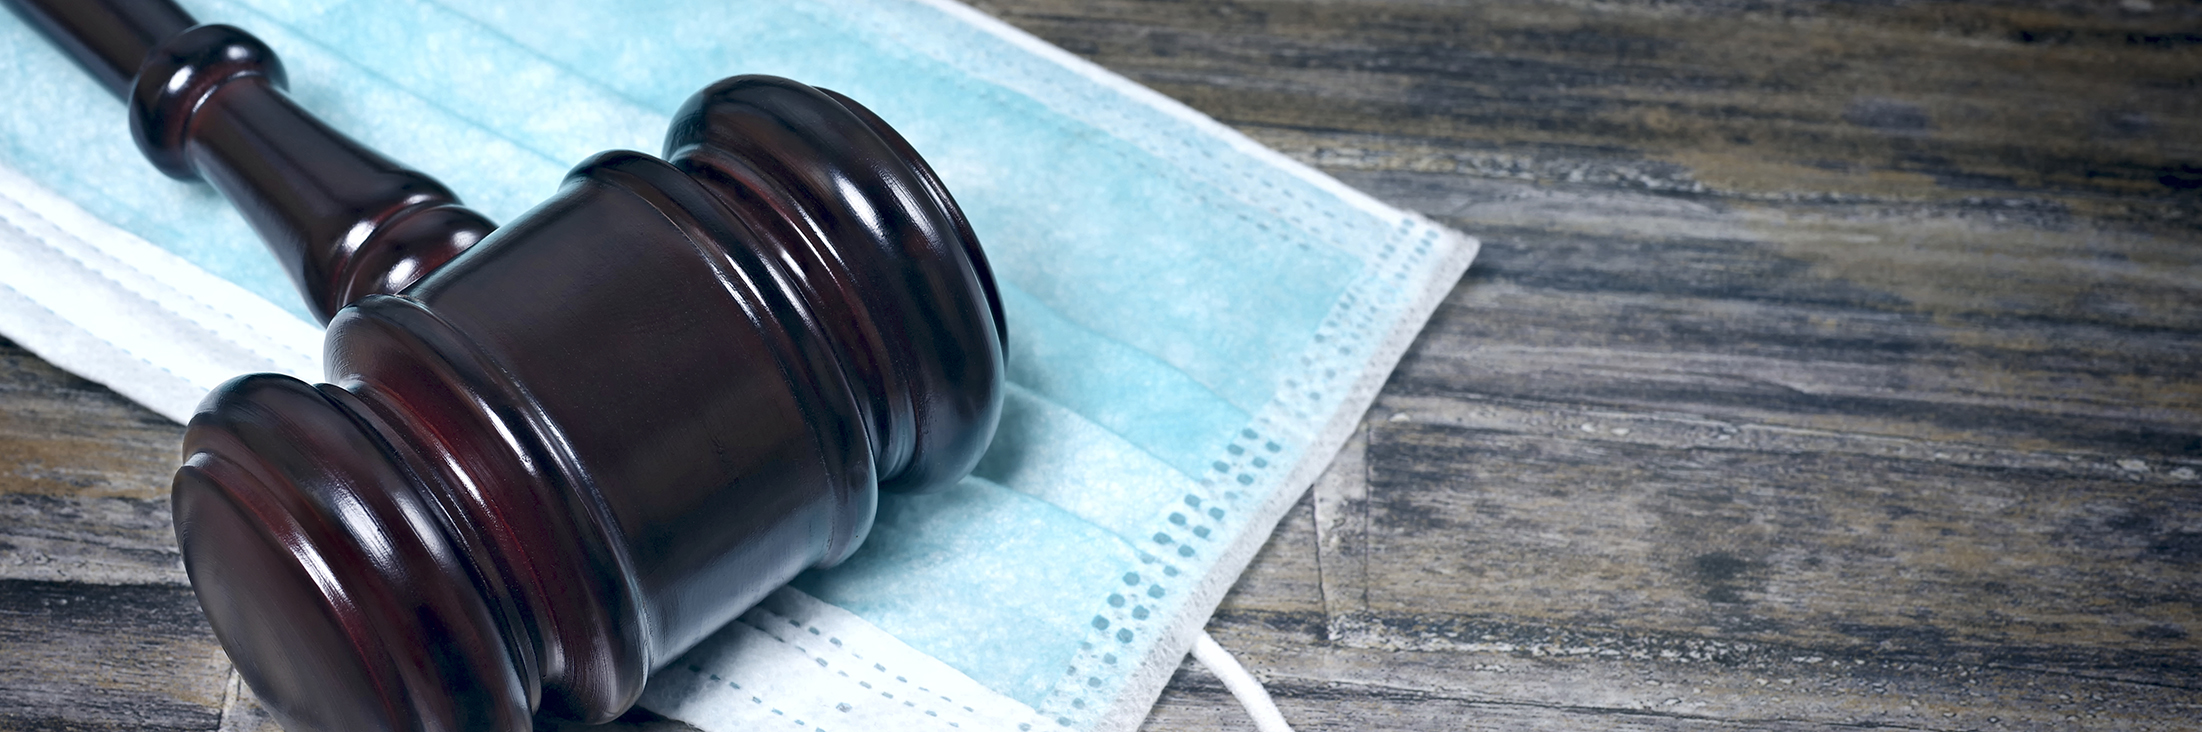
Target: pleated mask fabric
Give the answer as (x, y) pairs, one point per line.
(1195, 323)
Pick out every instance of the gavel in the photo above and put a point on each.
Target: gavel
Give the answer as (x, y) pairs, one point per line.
(550, 456)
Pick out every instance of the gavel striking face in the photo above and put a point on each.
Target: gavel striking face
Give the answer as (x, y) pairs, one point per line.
(553, 455)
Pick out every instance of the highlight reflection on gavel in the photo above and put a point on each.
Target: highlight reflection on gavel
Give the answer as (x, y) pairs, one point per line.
(553, 455)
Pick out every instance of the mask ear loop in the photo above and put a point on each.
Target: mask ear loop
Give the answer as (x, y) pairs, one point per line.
(1243, 685)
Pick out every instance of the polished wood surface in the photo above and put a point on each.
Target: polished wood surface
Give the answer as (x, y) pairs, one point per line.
(1827, 366)
(207, 102)
(551, 457)
(109, 40)
(344, 221)
(601, 433)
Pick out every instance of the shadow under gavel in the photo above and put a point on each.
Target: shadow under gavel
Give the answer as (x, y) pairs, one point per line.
(550, 456)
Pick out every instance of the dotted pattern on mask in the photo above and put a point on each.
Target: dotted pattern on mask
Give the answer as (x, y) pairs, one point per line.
(862, 677)
(1127, 624)
(1193, 532)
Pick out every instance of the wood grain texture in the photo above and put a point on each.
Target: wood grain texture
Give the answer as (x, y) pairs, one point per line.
(1827, 365)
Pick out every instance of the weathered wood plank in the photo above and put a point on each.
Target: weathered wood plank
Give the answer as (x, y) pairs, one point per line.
(66, 436)
(1910, 289)
(1196, 700)
(102, 540)
(1620, 291)
(1854, 287)
(87, 656)
(243, 713)
(1468, 655)
(96, 623)
(84, 488)
(1340, 685)
(1895, 557)
(1936, 100)
(1631, 299)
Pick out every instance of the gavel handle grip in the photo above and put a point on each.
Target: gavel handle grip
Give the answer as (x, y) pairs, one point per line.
(207, 102)
(109, 39)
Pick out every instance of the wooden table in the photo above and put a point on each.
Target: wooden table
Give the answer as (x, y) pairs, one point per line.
(1827, 365)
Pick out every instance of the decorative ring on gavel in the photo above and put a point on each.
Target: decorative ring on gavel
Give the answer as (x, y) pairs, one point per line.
(552, 456)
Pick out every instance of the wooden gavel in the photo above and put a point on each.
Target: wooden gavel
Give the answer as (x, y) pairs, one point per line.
(550, 456)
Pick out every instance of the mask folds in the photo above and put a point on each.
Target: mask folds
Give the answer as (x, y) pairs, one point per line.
(1195, 323)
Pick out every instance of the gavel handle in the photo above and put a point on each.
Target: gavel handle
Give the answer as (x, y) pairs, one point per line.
(207, 102)
(109, 39)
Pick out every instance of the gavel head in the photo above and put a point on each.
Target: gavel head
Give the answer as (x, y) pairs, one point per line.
(569, 454)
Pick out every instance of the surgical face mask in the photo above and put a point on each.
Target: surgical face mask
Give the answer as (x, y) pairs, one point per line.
(1195, 322)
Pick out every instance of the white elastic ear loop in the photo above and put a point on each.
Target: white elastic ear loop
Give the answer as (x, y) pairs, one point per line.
(1242, 684)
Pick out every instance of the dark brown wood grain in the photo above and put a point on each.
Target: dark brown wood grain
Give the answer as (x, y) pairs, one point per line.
(83, 489)
(1826, 365)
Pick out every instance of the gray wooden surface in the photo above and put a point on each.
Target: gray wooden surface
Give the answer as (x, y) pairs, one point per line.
(1828, 365)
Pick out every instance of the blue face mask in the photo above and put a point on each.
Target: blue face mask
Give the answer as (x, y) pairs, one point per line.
(1196, 323)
